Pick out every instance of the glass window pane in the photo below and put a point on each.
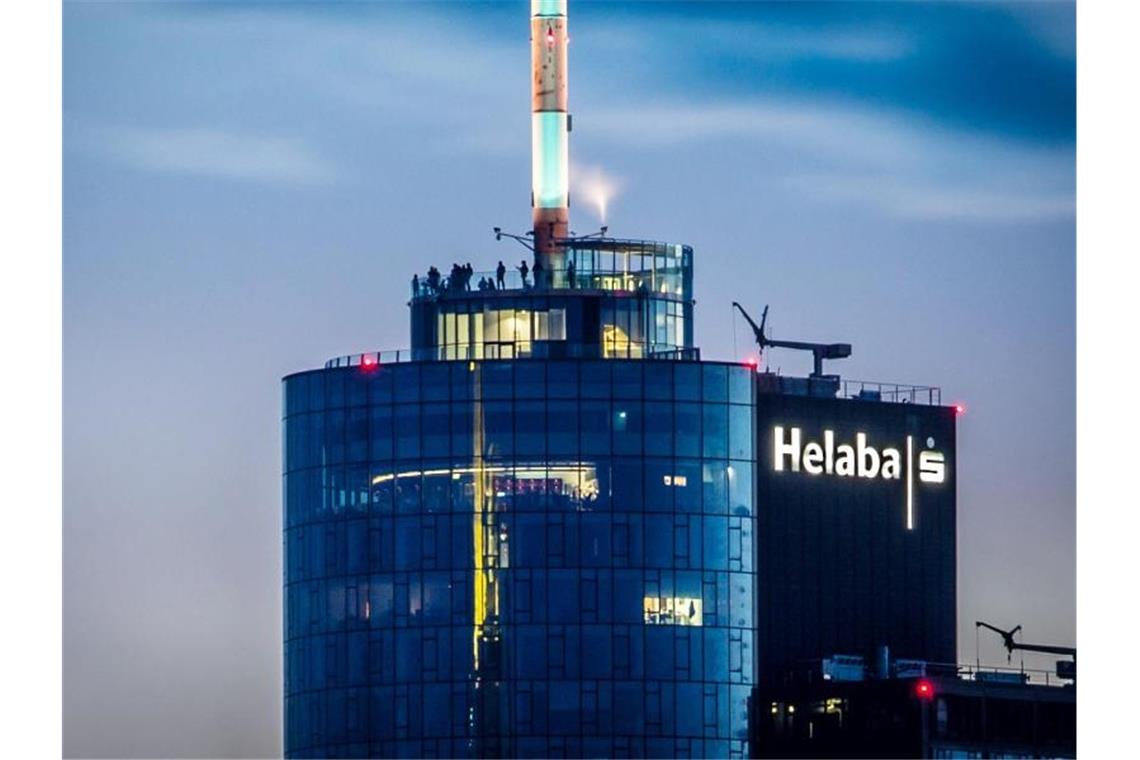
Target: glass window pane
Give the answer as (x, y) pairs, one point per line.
(627, 425)
(595, 423)
(740, 488)
(498, 431)
(497, 379)
(659, 428)
(562, 428)
(522, 326)
(714, 481)
(557, 324)
(595, 379)
(562, 379)
(407, 382)
(740, 432)
(715, 430)
(687, 433)
(716, 383)
(408, 431)
(530, 380)
(627, 380)
(659, 383)
(740, 385)
(435, 382)
(687, 380)
(687, 485)
(380, 386)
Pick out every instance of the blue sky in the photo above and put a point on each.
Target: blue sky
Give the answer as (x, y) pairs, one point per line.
(248, 187)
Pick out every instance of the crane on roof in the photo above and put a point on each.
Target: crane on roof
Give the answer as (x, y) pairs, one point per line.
(819, 351)
(1011, 645)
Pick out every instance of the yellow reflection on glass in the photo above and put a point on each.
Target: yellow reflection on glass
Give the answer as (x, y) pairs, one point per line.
(616, 344)
(672, 610)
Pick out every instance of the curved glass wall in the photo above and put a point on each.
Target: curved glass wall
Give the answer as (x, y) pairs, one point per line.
(519, 559)
(602, 264)
(522, 327)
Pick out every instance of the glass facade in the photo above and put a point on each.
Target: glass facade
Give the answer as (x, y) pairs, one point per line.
(521, 327)
(519, 558)
(615, 299)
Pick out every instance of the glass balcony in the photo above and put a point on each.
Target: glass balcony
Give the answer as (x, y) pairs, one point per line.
(597, 264)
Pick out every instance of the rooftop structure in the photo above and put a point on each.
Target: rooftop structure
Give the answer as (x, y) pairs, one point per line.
(844, 706)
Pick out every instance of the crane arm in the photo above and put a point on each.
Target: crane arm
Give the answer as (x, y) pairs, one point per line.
(1047, 649)
(1011, 645)
(757, 330)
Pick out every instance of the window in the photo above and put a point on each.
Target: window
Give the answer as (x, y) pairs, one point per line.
(496, 333)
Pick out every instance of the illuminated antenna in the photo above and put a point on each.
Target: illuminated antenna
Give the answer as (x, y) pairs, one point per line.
(550, 130)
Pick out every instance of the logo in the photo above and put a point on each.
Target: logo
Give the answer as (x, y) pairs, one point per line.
(791, 453)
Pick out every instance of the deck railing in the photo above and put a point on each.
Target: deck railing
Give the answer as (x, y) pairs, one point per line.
(536, 350)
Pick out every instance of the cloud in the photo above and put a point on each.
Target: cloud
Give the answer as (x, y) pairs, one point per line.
(874, 158)
(788, 42)
(921, 199)
(840, 130)
(217, 153)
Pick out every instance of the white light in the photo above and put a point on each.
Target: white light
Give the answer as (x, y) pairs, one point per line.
(909, 483)
(595, 184)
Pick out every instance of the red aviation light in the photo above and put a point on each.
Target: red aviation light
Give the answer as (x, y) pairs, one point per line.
(368, 362)
(959, 409)
(924, 689)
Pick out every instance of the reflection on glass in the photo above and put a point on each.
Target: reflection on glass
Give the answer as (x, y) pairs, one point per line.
(485, 539)
(616, 343)
(672, 610)
(577, 482)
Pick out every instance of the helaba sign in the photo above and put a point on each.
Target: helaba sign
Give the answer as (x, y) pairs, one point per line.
(861, 459)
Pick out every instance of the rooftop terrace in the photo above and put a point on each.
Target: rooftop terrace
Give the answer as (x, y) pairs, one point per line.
(592, 264)
(856, 390)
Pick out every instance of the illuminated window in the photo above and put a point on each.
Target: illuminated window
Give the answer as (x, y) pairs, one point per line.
(672, 610)
(616, 344)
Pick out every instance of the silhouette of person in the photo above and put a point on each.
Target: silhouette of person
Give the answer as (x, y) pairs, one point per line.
(538, 272)
(523, 270)
(500, 275)
(415, 285)
(570, 272)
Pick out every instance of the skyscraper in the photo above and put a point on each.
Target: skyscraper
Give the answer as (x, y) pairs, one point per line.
(533, 532)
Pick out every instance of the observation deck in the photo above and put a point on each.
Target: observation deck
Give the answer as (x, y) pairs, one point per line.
(629, 299)
(607, 265)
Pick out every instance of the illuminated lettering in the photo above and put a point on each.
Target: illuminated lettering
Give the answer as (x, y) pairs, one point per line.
(845, 464)
(892, 464)
(791, 448)
(931, 467)
(866, 456)
(864, 460)
(813, 458)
